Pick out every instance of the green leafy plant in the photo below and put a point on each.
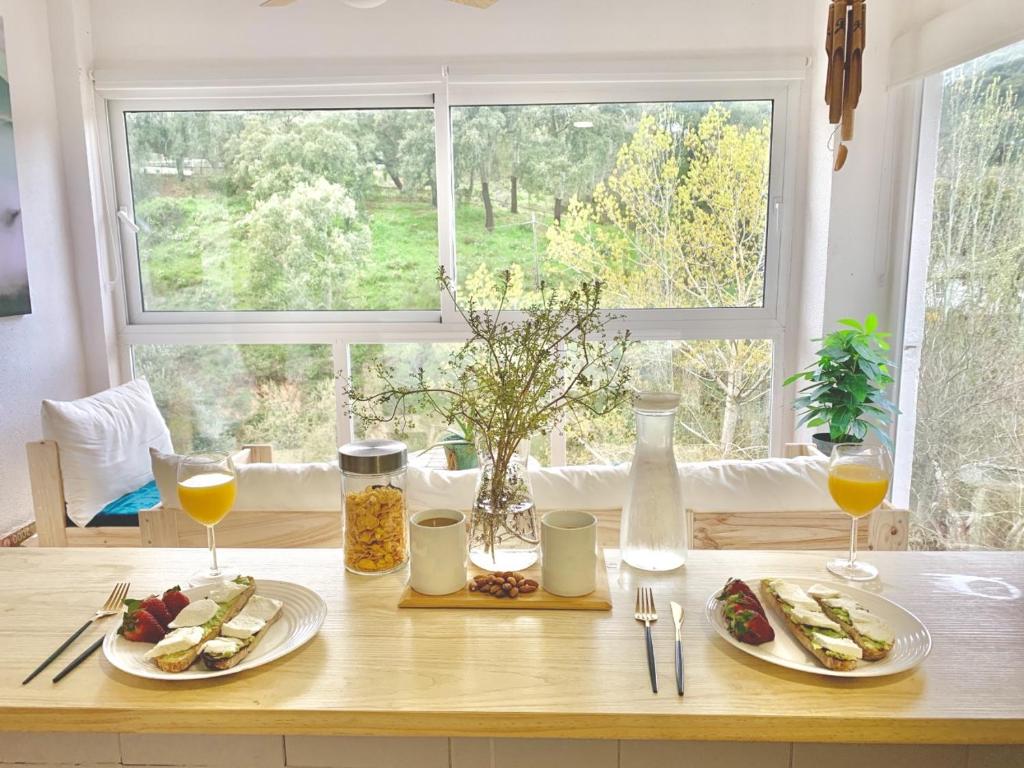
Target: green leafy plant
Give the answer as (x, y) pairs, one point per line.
(846, 390)
(516, 376)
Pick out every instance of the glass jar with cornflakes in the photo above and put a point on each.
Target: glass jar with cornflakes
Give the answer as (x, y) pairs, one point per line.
(373, 505)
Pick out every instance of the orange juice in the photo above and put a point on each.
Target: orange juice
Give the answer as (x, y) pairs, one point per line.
(857, 488)
(207, 498)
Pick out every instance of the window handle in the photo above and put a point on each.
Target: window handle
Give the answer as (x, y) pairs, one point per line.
(122, 214)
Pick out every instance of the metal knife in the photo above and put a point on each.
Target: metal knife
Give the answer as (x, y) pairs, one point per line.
(677, 618)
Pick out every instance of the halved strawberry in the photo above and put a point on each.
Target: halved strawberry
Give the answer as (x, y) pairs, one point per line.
(739, 587)
(745, 601)
(748, 626)
(156, 608)
(174, 599)
(139, 626)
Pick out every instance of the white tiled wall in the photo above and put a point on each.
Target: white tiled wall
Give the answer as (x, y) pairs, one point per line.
(88, 750)
(891, 756)
(365, 752)
(720, 754)
(202, 751)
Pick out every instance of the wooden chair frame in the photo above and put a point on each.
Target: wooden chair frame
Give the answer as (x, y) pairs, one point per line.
(886, 529)
(50, 504)
(166, 527)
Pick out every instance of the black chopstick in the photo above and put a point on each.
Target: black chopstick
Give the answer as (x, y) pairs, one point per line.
(79, 659)
(58, 652)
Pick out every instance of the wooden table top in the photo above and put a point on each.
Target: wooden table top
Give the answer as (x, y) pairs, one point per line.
(375, 669)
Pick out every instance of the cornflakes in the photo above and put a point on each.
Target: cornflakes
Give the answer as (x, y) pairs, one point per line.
(375, 529)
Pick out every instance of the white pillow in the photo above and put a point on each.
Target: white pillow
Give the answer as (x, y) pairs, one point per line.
(581, 487)
(767, 485)
(267, 486)
(288, 487)
(764, 485)
(103, 441)
(165, 472)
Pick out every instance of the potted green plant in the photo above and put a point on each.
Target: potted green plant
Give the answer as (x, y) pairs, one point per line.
(459, 445)
(846, 386)
(514, 378)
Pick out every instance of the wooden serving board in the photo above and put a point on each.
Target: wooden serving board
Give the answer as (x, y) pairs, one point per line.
(541, 600)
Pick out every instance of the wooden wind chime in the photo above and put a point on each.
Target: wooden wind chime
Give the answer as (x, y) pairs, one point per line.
(844, 44)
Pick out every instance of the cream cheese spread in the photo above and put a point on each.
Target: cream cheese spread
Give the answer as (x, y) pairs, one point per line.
(863, 620)
(820, 590)
(242, 627)
(222, 646)
(840, 646)
(258, 607)
(178, 640)
(794, 595)
(226, 592)
(813, 619)
(195, 614)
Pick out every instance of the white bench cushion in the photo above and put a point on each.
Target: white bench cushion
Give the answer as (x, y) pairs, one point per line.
(715, 486)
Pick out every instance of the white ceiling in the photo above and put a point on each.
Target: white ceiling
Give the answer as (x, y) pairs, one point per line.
(157, 30)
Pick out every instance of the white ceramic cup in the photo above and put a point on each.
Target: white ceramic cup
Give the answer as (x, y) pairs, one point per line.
(569, 553)
(438, 565)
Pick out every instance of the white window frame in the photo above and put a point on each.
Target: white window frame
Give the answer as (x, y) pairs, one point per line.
(542, 84)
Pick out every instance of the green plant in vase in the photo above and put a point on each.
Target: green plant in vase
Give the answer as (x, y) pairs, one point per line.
(846, 386)
(516, 376)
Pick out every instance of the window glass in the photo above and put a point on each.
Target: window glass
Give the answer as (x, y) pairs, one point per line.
(285, 209)
(416, 426)
(666, 202)
(967, 486)
(221, 396)
(725, 407)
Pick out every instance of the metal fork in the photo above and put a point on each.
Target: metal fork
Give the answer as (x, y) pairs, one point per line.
(646, 613)
(110, 606)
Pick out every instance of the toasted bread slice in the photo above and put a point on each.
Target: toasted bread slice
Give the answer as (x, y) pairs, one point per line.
(874, 650)
(182, 660)
(226, 662)
(827, 659)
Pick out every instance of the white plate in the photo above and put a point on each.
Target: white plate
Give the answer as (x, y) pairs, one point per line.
(913, 642)
(301, 616)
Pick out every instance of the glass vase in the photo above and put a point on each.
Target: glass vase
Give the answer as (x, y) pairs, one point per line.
(504, 534)
(653, 532)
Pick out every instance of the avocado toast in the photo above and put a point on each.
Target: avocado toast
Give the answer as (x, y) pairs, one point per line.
(240, 636)
(180, 660)
(873, 635)
(812, 628)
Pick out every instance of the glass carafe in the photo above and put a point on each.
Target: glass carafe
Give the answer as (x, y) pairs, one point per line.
(653, 533)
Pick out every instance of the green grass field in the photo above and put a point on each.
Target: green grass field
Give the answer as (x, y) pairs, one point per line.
(195, 257)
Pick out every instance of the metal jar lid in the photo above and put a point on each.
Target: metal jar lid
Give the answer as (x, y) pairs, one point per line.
(372, 457)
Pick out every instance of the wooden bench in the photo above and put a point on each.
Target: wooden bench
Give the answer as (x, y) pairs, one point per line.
(49, 503)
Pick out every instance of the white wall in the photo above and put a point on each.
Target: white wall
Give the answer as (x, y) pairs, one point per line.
(858, 253)
(40, 354)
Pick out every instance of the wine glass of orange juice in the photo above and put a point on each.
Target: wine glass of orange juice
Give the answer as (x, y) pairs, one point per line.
(207, 485)
(858, 479)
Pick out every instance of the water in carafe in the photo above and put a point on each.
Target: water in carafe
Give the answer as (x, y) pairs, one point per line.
(653, 535)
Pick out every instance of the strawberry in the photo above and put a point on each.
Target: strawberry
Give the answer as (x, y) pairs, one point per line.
(745, 601)
(746, 625)
(139, 626)
(739, 587)
(156, 608)
(174, 599)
